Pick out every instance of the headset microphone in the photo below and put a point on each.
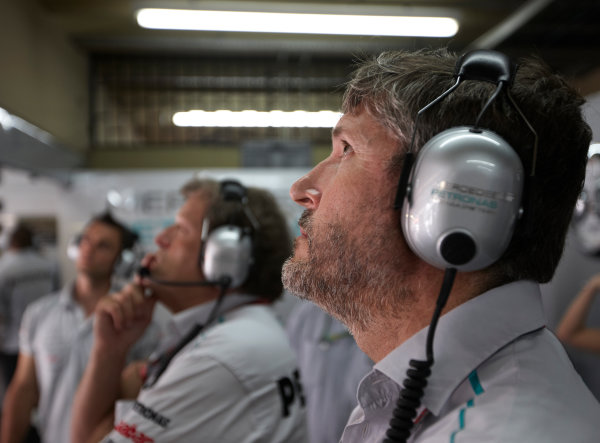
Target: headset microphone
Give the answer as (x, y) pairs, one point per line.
(144, 272)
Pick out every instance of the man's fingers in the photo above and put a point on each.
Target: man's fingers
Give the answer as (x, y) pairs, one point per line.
(111, 308)
(134, 303)
(127, 307)
(127, 304)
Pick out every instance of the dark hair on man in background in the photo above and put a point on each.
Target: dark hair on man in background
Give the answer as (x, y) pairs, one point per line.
(21, 237)
(128, 237)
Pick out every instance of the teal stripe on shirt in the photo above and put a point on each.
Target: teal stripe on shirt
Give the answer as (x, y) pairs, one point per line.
(475, 383)
(478, 389)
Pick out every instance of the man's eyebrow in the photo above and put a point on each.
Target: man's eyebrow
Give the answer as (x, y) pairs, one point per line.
(336, 131)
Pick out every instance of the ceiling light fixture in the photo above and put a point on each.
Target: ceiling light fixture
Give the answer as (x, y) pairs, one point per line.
(256, 119)
(296, 23)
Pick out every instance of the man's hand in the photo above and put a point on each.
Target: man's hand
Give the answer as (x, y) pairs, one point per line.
(593, 283)
(122, 318)
(573, 329)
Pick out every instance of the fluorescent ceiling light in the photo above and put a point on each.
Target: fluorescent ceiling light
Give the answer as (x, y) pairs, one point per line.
(256, 119)
(297, 23)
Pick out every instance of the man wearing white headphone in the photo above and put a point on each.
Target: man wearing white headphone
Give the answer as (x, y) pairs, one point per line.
(225, 371)
(493, 164)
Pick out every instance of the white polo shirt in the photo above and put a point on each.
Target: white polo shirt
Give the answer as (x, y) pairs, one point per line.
(499, 376)
(331, 366)
(237, 381)
(56, 333)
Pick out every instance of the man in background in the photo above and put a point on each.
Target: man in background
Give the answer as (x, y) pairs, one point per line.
(56, 337)
(331, 366)
(225, 372)
(25, 276)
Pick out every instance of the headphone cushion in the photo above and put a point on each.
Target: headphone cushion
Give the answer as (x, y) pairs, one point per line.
(464, 199)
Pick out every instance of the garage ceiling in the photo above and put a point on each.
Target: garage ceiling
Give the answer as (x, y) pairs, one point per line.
(140, 77)
(565, 33)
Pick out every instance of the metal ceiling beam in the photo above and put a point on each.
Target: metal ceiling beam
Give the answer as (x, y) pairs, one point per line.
(25, 146)
(509, 26)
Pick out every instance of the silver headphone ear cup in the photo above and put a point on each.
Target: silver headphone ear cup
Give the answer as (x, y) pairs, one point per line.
(73, 247)
(72, 251)
(465, 198)
(227, 254)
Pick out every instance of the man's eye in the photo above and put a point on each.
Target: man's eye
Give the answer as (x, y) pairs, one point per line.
(347, 149)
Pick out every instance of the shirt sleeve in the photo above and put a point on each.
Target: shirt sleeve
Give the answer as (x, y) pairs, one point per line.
(28, 321)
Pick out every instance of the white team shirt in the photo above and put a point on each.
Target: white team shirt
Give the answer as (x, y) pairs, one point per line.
(237, 381)
(331, 366)
(499, 376)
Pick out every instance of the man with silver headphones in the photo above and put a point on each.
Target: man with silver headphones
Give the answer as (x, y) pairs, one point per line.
(225, 371)
(443, 205)
(55, 336)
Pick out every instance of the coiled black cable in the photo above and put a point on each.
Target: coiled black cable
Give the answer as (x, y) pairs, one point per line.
(416, 375)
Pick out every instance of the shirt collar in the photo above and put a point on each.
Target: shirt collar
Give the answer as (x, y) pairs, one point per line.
(183, 321)
(66, 296)
(466, 336)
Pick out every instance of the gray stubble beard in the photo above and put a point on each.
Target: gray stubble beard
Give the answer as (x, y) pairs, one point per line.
(346, 277)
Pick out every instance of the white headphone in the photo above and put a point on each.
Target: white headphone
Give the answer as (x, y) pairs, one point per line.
(462, 195)
(227, 252)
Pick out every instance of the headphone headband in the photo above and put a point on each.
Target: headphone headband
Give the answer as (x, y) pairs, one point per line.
(485, 65)
(232, 190)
